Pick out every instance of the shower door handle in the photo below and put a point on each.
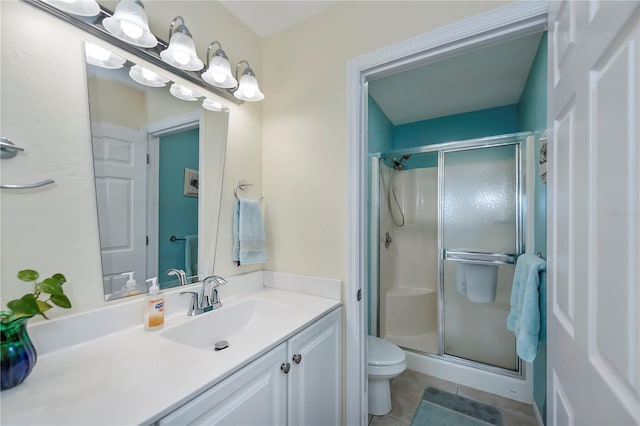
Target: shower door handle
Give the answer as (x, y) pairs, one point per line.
(480, 257)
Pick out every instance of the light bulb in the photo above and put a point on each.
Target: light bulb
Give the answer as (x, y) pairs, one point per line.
(186, 92)
(149, 75)
(181, 57)
(218, 76)
(132, 30)
(97, 52)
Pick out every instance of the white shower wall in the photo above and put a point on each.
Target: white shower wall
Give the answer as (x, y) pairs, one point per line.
(409, 266)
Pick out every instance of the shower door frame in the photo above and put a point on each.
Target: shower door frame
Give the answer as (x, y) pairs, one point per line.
(518, 139)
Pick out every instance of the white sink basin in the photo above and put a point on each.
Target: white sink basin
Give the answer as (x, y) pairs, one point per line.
(230, 323)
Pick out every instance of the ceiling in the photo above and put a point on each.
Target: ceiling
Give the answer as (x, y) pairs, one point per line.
(267, 18)
(485, 78)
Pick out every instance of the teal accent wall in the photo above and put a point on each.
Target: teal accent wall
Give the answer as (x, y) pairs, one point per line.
(178, 213)
(474, 124)
(380, 129)
(533, 116)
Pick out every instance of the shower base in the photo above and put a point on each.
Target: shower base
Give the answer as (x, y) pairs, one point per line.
(427, 342)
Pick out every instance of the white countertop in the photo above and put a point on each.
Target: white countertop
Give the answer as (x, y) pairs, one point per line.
(137, 376)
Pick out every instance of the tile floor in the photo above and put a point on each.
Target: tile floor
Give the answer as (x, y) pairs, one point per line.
(407, 390)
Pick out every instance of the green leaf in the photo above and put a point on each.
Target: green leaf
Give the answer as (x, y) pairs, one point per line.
(51, 286)
(61, 301)
(43, 306)
(27, 305)
(60, 278)
(28, 275)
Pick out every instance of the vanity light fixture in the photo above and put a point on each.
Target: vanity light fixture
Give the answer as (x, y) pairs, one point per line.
(129, 23)
(85, 8)
(181, 52)
(101, 57)
(218, 72)
(248, 89)
(184, 93)
(212, 105)
(147, 77)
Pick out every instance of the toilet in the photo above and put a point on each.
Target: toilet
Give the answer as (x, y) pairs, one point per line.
(385, 361)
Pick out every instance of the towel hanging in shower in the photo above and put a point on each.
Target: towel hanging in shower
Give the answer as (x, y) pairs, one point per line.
(477, 281)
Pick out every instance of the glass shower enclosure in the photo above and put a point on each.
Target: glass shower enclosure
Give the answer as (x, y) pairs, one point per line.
(446, 231)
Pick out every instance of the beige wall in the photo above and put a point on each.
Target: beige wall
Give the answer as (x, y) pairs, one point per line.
(44, 109)
(304, 133)
(107, 101)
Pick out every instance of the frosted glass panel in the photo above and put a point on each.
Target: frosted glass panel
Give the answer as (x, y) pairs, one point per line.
(478, 331)
(479, 205)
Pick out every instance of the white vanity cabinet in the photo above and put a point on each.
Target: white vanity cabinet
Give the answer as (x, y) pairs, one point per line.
(296, 383)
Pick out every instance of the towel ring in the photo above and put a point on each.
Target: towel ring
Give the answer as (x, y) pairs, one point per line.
(241, 186)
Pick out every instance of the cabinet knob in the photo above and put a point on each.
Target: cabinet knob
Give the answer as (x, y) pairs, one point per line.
(285, 367)
(297, 358)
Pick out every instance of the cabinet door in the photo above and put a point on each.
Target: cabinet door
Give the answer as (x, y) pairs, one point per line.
(314, 383)
(255, 395)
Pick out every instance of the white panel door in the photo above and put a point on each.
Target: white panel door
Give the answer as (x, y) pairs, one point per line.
(314, 379)
(593, 370)
(120, 157)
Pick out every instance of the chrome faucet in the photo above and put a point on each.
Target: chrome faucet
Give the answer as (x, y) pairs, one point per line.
(182, 276)
(212, 298)
(207, 299)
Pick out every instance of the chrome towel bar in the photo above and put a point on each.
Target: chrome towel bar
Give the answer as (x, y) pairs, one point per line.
(9, 150)
(28, 185)
(479, 257)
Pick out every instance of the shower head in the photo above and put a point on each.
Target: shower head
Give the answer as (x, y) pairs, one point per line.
(397, 164)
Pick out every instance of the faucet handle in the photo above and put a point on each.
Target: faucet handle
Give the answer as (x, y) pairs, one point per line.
(194, 306)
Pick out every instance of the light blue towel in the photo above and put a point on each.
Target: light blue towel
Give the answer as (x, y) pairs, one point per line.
(524, 317)
(248, 233)
(191, 255)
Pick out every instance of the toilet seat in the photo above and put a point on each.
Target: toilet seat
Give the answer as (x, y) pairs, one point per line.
(384, 358)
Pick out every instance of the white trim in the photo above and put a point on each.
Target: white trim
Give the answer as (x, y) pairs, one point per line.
(153, 197)
(515, 19)
(186, 121)
(179, 123)
(537, 413)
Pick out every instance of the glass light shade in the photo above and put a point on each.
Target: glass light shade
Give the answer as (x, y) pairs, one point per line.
(248, 89)
(101, 57)
(219, 73)
(181, 53)
(129, 23)
(76, 7)
(184, 93)
(213, 105)
(147, 77)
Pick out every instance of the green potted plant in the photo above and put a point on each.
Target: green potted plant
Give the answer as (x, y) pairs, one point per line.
(18, 354)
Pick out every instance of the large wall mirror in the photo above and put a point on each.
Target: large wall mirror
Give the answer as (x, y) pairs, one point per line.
(152, 152)
(48, 106)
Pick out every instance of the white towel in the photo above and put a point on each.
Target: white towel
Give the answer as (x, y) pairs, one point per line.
(478, 281)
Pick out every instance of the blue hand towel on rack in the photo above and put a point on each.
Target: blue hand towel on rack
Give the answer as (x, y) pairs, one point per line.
(191, 255)
(248, 233)
(524, 316)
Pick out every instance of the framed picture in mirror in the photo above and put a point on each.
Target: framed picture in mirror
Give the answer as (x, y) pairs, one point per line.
(191, 183)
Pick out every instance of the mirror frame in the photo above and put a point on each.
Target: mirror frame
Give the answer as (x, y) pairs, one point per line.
(94, 26)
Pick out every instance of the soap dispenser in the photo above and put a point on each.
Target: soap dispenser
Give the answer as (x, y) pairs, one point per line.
(131, 288)
(154, 309)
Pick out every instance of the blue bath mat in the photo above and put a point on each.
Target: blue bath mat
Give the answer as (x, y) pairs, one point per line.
(440, 408)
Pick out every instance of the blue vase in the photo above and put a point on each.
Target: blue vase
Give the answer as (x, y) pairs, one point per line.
(18, 354)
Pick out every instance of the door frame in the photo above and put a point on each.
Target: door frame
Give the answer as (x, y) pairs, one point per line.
(180, 123)
(503, 23)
